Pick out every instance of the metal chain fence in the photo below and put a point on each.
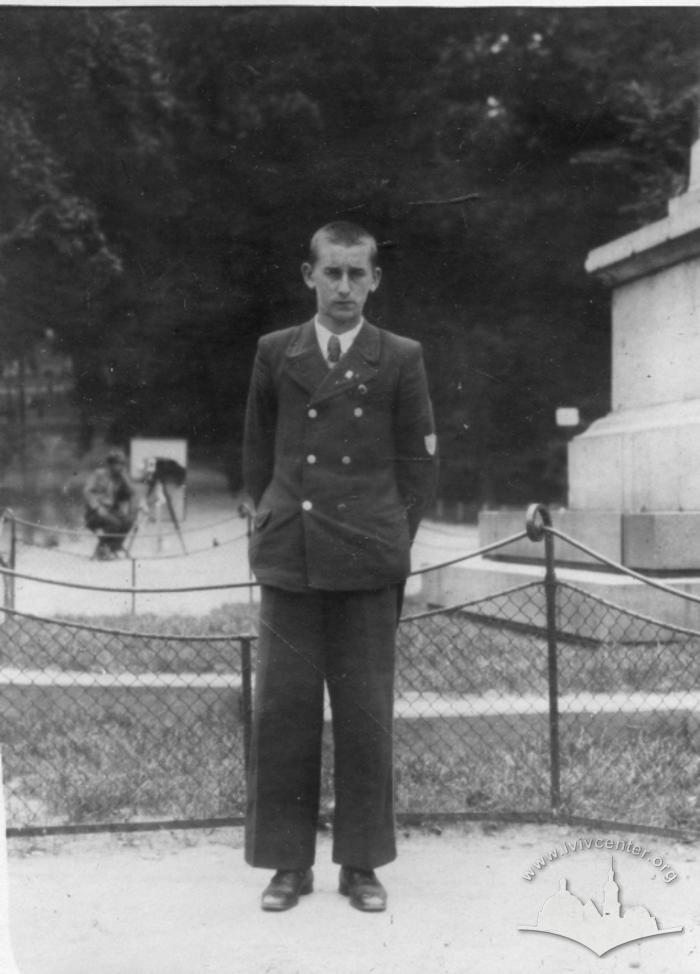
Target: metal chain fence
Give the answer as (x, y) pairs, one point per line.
(471, 728)
(112, 726)
(542, 699)
(629, 713)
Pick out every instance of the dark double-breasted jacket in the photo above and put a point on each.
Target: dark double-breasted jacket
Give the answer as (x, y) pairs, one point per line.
(340, 463)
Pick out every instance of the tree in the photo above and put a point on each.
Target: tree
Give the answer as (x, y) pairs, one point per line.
(61, 252)
(165, 167)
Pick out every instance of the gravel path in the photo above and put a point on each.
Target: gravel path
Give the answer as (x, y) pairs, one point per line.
(187, 904)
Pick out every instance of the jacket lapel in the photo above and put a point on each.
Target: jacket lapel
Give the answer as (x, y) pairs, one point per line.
(303, 358)
(309, 369)
(358, 366)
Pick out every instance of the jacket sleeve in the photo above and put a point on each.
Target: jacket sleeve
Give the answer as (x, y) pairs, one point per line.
(416, 458)
(259, 429)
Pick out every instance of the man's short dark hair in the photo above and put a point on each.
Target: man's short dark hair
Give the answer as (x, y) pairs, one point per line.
(346, 234)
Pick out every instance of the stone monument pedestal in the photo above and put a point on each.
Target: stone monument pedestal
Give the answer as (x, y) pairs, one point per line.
(634, 475)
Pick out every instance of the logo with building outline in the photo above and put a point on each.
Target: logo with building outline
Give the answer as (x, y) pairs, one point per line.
(565, 915)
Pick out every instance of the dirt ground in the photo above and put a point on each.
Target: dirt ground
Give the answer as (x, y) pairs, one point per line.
(186, 903)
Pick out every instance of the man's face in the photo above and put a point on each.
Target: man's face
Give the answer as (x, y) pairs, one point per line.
(343, 278)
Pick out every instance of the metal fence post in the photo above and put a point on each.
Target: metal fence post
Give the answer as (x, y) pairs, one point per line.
(10, 587)
(249, 534)
(538, 520)
(245, 511)
(5, 577)
(246, 697)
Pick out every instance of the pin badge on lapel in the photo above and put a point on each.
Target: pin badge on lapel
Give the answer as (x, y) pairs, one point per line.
(362, 389)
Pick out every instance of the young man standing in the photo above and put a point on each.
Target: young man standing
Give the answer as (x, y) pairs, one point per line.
(340, 462)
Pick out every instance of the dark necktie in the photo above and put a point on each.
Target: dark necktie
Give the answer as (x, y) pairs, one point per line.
(333, 349)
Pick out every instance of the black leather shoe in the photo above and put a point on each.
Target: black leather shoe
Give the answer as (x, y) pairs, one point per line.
(285, 888)
(364, 889)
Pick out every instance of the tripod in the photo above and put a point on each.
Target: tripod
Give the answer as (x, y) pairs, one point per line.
(157, 486)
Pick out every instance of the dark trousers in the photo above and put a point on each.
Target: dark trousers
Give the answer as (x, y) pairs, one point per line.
(114, 525)
(346, 639)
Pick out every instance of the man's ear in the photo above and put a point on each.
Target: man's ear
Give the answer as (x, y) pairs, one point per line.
(306, 272)
(377, 278)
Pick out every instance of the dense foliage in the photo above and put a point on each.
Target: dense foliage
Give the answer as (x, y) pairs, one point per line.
(162, 169)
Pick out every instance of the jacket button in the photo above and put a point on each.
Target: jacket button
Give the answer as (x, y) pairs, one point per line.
(307, 505)
(312, 413)
(358, 411)
(346, 460)
(311, 458)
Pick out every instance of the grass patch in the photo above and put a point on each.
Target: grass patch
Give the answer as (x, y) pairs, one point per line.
(456, 654)
(645, 775)
(449, 653)
(84, 755)
(195, 647)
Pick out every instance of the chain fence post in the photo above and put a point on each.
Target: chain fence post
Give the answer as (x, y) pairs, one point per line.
(245, 511)
(5, 576)
(12, 561)
(537, 521)
(249, 534)
(133, 586)
(246, 697)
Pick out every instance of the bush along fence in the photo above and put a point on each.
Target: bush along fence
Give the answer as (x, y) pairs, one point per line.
(541, 701)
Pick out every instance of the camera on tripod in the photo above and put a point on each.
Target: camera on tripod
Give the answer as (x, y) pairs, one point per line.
(164, 470)
(161, 466)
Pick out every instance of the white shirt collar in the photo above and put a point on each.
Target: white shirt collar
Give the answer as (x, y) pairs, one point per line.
(346, 339)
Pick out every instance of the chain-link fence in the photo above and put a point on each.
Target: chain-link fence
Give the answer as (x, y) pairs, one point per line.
(542, 699)
(488, 724)
(629, 706)
(106, 725)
